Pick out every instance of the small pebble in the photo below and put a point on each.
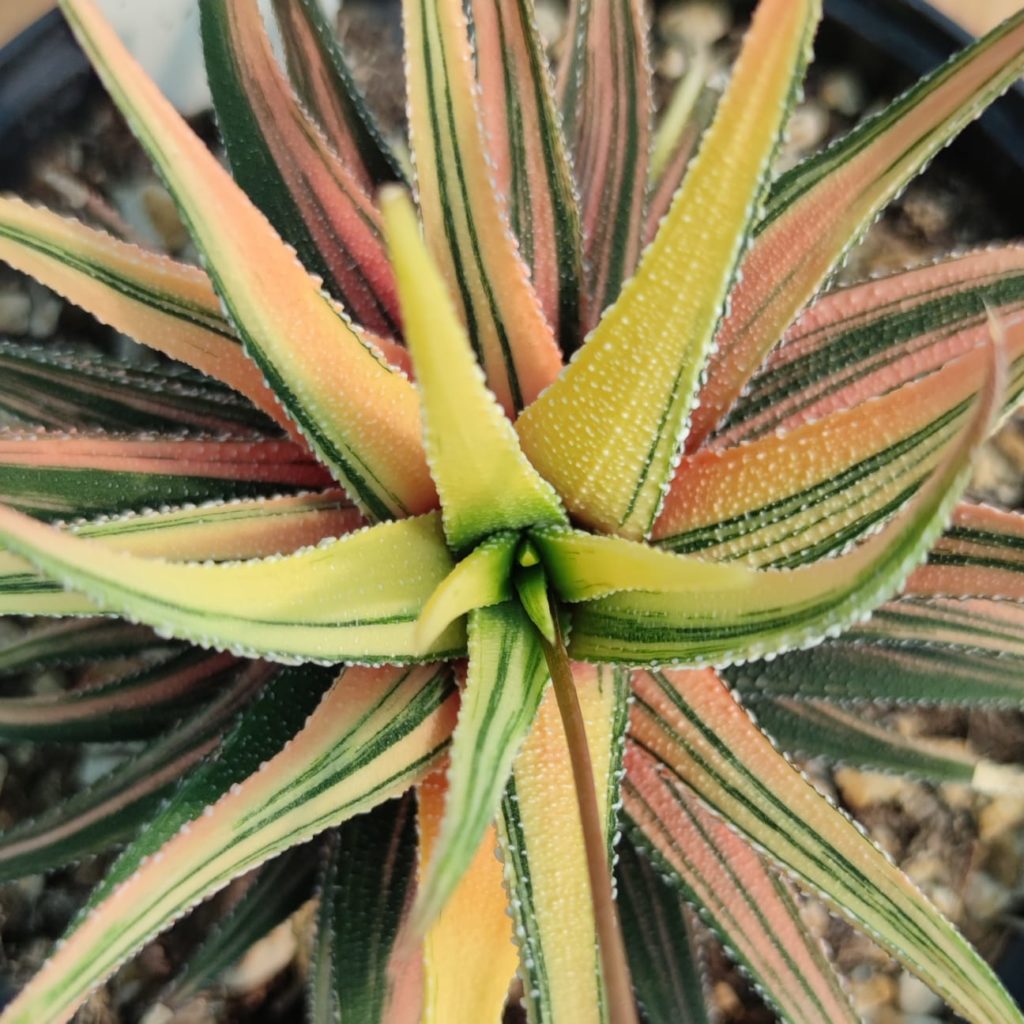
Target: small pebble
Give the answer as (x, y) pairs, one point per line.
(15, 312)
(915, 996)
(843, 91)
(698, 22)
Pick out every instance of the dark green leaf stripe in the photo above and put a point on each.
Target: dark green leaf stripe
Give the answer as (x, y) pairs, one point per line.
(289, 196)
(865, 493)
(113, 809)
(401, 708)
(507, 679)
(729, 776)
(277, 891)
(129, 707)
(870, 337)
(896, 658)
(813, 729)
(172, 304)
(60, 390)
(664, 953)
(325, 83)
(750, 909)
(73, 642)
(797, 182)
(368, 877)
(279, 711)
(57, 493)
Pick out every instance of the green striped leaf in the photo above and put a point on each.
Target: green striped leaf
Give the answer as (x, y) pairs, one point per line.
(817, 211)
(128, 707)
(930, 652)
(271, 897)
(604, 90)
(465, 216)
(753, 911)
(71, 643)
(815, 729)
(353, 599)
(606, 434)
(168, 306)
(867, 340)
(332, 380)
(472, 448)
(67, 476)
(505, 684)
(980, 555)
(114, 808)
(663, 944)
(691, 724)
(783, 609)
(796, 496)
(680, 126)
(40, 387)
(288, 169)
(325, 84)
(376, 733)
(543, 851)
(531, 166)
(364, 891)
(209, 533)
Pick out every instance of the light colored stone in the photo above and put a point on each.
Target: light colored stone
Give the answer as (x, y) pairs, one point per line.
(263, 961)
(843, 92)
(726, 999)
(873, 993)
(915, 996)
(697, 22)
(15, 312)
(985, 897)
(1000, 815)
(866, 789)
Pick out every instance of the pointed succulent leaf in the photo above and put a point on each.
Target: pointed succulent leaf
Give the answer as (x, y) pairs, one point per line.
(66, 476)
(690, 722)
(482, 477)
(40, 387)
(663, 942)
(168, 306)
(867, 340)
(967, 653)
(325, 84)
(753, 911)
(606, 434)
(279, 156)
(793, 497)
(584, 567)
(114, 807)
(465, 218)
(208, 533)
(504, 687)
(819, 729)
(821, 207)
(681, 125)
(531, 166)
(358, 413)
(784, 609)
(544, 855)
(980, 555)
(365, 889)
(71, 643)
(469, 958)
(376, 733)
(353, 599)
(604, 89)
(272, 896)
(481, 579)
(75, 475)
(128, 707)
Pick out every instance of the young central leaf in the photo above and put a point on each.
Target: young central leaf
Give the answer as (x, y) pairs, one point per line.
(607, 432)
(482, 476)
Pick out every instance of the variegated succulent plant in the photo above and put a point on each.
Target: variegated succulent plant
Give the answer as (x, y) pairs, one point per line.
(354, 549)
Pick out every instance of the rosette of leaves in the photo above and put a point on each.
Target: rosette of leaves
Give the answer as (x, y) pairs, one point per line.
(536, 500)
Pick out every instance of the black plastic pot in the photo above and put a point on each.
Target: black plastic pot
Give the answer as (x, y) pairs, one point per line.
(44, 78)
